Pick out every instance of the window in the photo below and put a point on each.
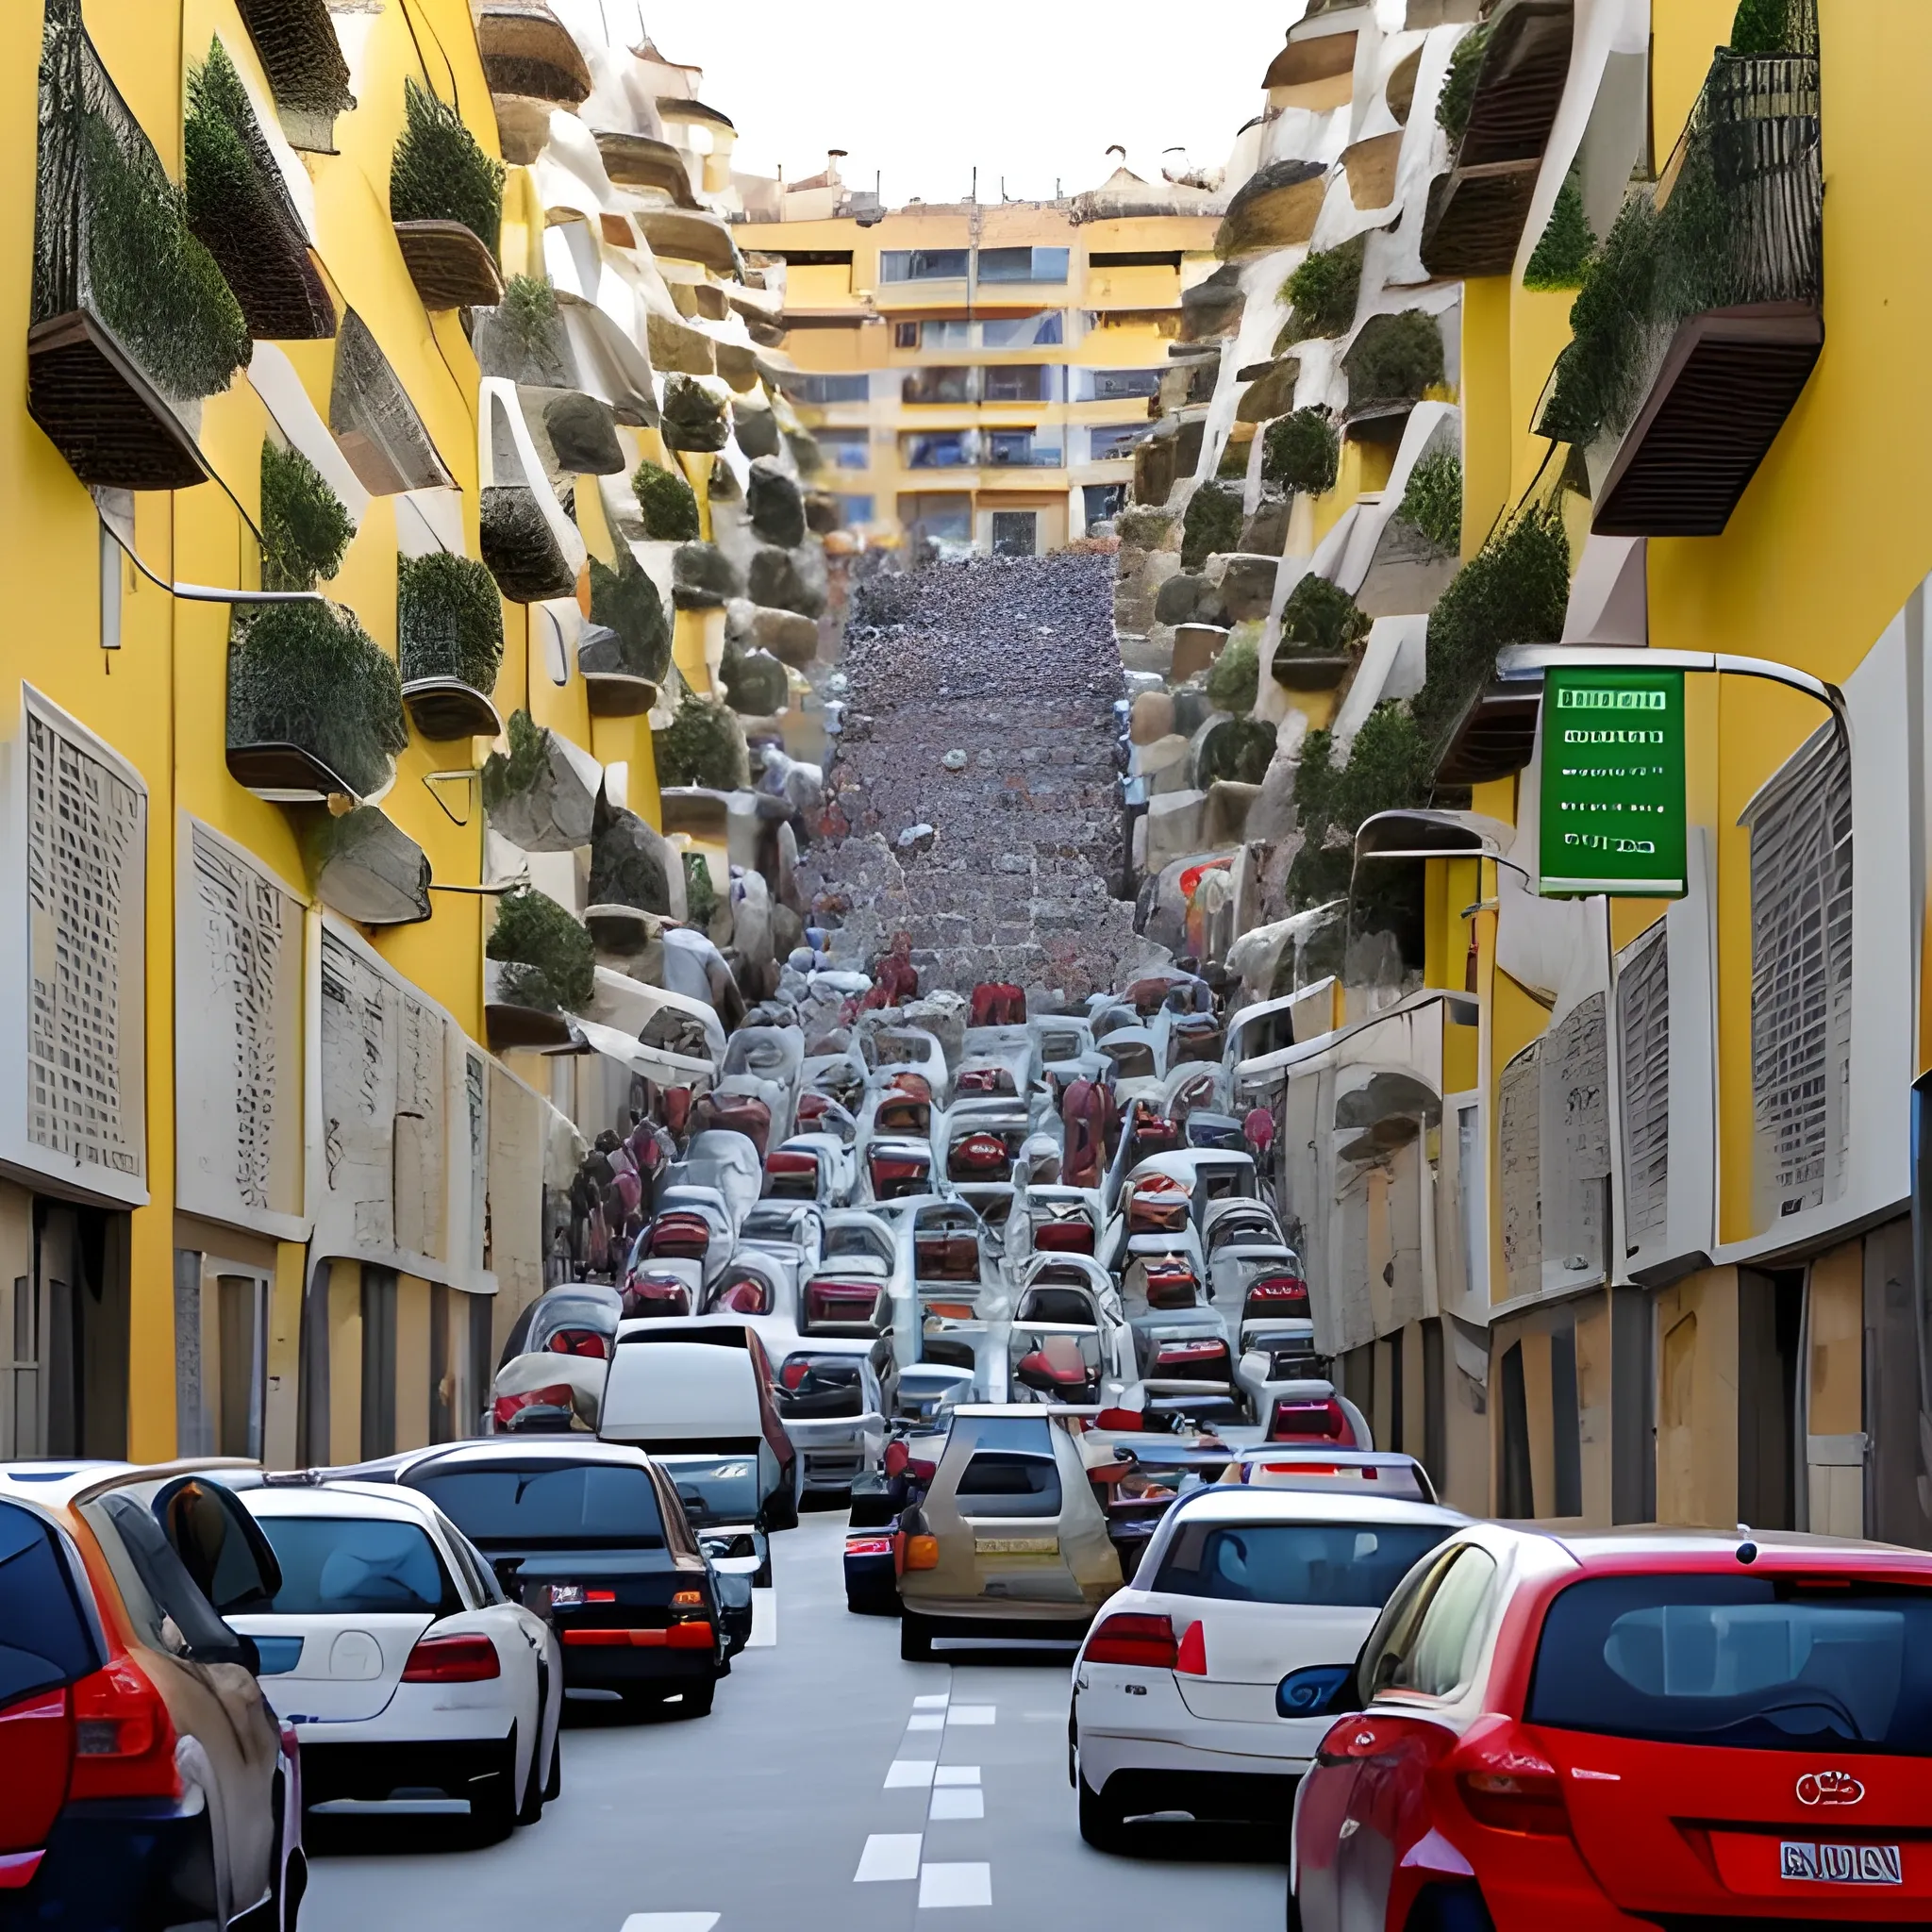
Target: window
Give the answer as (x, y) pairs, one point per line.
(856, 509)
(351, 1566)
(905, 335)
(1134, 258)
(826, 388)
(1515, 1480)
(943, 385)
(1015, 532)
(1012, 448)
(1022, 264)
(1103, 500)
(844, 449)
(1116, 440)
(378, 1362)
(1644, 1059)
(1008, 1482)
(1341, 1564)
(954, 332)
(951, 449)
(922, 264)
(1028, 382)
(813, 258)
(537, 1506)
(1109, 385)
(1021, 331)
(1751, 1662)
(1519, 1157)
(944, 519)
(1442, 1656)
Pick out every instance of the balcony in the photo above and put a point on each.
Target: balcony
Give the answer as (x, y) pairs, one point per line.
(1476, 210)
(1015, 449)
(1707, 313)
(957, 450)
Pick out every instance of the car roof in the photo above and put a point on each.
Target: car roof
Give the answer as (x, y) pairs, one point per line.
(1619, 1548)
(537, 1448)
(54, 1482)
(374, 1502)
(1236, 1503)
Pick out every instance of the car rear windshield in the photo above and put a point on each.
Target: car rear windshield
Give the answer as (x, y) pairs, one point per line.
(1753, 1662)
(1339, 1565)
(1008, 1482)
(46, 1639)
(353, 1566)
(543, 1505)
(819, 1387)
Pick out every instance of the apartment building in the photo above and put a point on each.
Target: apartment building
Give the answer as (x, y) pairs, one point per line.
(976, 376)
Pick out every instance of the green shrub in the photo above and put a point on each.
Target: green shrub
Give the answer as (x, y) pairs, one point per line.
(1240, 749)
(1458, 98)
(694, 418)
(1325, 290)
(439, 174)
(1601, 373)
(1514, 590)
(700, 894)
(1234, 678)
(666, 504)
(154, 284)
(552, 963)
(449, 619)
(625, 600)
(528, 311)
(1212, 524)
(1394, 359)
(1389, 769)
(1772, 26)
(1322, 619)
(305, 528)
(309, 674)
(1233, 465)
(1562, 256)
(1302, 452)
(1433, 501)
(528, 759)
(702, 745)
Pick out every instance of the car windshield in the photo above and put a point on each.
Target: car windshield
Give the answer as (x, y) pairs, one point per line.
(1133, 1060)
(1006, 1482)
(1341, 1565)
(356, 1566)
(548, 1506)
(867, 1244)
(1754, 1662)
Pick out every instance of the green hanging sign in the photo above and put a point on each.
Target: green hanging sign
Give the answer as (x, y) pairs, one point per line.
(1614, 783)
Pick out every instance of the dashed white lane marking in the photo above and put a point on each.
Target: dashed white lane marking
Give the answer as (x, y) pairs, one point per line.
(956, 1774)
(909, 1772)
(927, 1720)
(937, 1702)
(971, 1713)
(955, 1885)
(957, 1800)
(764, 1620)
(671, 1921)
(887, 1855)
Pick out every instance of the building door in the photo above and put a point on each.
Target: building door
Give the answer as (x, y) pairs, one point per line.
(1770, 1317)
(1015, 533)
(80, 1336)
(221, 1355)
(378, 1362)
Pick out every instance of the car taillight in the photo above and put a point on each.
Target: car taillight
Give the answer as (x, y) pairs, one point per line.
(452, 1660)
(1507, 1785)
(811, 1106)
(1171, 1351)
(976, 1154)
(1128, 1419)
(124, 1740)
(504, 1410)
(1324, 1421)
(958, 1311)
(1131, 1638)
(868, 1546)
(922, 1553)
(678, 1237)
(655, 1294)
(600, 1596)
(583, 1342)
(1063, 1238)
(796, 1368)
(742, 1298)
(841, 1301)
(1287, 1293)
(687, 1599)
(694, 1635)
(1191, 1659)
(791, 1160)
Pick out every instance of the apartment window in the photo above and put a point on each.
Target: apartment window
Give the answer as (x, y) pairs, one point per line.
(951, 385)
(949, 332)
(1022, 264)
(378, 1362)
(1643, 1060)
(1134, 258)
(1566, 1423)
(826, 388)
(1116, 440)
(922, 264)
(905, 335)
(844, 449)
(944, 518)
(1016, 449)
(1109, 385)
(1103, 500)
(856, 509)
(1026, 382)
(1801, 969)
(1021, 331)
(1015, 533)
(948, 450)
(813, 258)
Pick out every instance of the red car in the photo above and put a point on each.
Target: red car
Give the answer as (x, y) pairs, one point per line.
(1637, 1728)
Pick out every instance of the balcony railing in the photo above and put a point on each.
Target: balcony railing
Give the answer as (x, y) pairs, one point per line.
(1703, 319)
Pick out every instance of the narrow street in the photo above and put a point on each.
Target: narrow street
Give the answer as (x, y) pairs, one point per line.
(805, 1800)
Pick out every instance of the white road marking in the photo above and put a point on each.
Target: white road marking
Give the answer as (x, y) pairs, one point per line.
(956, 1774)
(971, 1713)
(927, 1720)
(955, 1885)
(671, 1921)
(937, 1702)
(957, 1800)
(764, 1620)
(887, 1855)
(906, 1772)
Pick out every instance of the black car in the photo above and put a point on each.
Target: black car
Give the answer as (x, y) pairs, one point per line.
(592, 1536)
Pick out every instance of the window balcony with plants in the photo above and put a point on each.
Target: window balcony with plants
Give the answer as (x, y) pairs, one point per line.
(539, 967)
(1498, 105)
(542, 793)
(624, 655)
(446, 198)
(296, 43)
(532, 65)
(449, 644)
(1701, 317)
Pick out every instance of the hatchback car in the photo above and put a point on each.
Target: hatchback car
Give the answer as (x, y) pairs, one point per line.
(1175, 1689)
(144, 1780)
(390, 1648)
(1626, 1729)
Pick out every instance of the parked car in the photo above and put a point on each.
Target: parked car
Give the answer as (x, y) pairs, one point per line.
(402, 1666)
(591, 1538)
(1669, 1727)
(145, 1778)
(1174, 1688)
(834, 1407)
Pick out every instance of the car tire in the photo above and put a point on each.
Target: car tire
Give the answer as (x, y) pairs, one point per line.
(696, 1700)
(1101, 1823)
(531, 1809)
(493, 1810)
(915, 1639)
(761, 1576)
(782, 1512)
(553, 1785)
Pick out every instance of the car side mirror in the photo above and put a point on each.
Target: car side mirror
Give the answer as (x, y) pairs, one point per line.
(1316, 1691)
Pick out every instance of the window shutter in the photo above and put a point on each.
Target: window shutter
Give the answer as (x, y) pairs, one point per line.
(1575, 1136)
(1644, 1065)
(1519, 1155)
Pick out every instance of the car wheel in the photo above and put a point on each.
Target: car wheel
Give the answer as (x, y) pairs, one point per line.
(696, 1700)
(761, 1576)
(1100, 1822)
(531, 1809)
(915, 1639)
(493, 1809)
(783, 1508)
(553, 1785)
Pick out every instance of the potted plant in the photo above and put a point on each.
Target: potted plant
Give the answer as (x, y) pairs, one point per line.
(542, 794)
(449, 644)
(446, 198)
(541, 965)
(625, 652)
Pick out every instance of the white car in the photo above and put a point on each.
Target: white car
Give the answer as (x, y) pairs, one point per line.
(394, 1654)
(1174, 1686)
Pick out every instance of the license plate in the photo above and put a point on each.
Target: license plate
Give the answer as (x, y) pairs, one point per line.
(1016, 1546)
(1840, 1864)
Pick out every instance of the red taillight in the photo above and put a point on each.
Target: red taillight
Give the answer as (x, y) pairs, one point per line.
(124, 1740)
(452, 1660)
(1064, 1237)
(504, 1410)
(1287, 1293)
(868, 1546)
(583, 1342)
(1119, 1418)
(841, 1301)
(1170, 1286)
(694, 1635)
(678, 1238)
(1130, 1638)
(1193, 1659)
(1507, 1785)
(791, 1160)
(811, 1106)
(600, 1596)
(655, 1294)
(902, 1176)
(792, 1375)
(976, 1155)
(897, 1458)
(1317, 1422)
(1169, 1352)
(744, 1298)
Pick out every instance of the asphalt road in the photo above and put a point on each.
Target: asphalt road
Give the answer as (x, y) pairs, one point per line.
(833, 1786)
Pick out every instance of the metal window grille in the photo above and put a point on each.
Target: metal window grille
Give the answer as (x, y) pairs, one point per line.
(1643, 1066)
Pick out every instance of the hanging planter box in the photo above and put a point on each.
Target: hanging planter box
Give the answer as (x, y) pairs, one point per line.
(526, 50)
(450, 267)
(365, 867)
(542, 796)
(296, 40)
(449, 644)
(533, 549)
(508, 1023)
(370, 416)
(625, 652)
(539, 961)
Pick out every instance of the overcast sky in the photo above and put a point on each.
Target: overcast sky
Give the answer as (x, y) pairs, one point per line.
(921, 95)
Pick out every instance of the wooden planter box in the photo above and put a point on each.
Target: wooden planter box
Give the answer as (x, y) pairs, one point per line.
(450, 267)
(446, 708)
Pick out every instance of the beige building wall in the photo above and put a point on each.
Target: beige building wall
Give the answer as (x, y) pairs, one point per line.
(1697, 1400)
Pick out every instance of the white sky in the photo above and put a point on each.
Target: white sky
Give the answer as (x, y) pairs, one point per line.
(922, 94)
